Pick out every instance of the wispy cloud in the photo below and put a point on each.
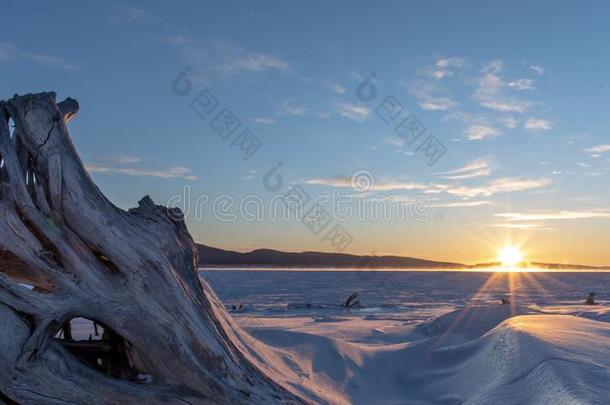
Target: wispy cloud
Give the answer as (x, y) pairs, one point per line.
(475, 127)
(519, 106)
(338, 89)
(171, 172)
(478, 132)
(437, 104)
(538, 69)
(346, 182)
(462, 204)
(477, 168)
(257, 62)
(290, 108)
(430, 96)
(554, 215)
(9, 52)
(249, 176)
(445, 67)
(354, 112)
(596, 151)
(121, 165)
(522, 84)
(213, 59)
(509, 122)
(446, 204)
(123, 159)
(537, 125)
(497, 186)
(491, 90)
(131, 14)
(263, 120)
(526, 226)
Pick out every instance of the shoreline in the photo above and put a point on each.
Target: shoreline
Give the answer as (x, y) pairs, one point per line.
(396, 269)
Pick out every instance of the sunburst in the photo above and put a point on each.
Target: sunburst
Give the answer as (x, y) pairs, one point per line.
(510, 256)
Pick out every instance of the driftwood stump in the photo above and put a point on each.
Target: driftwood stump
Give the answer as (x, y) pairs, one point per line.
(66, 251)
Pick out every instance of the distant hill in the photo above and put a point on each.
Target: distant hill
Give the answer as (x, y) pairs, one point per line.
(546, 266)
(214, 257)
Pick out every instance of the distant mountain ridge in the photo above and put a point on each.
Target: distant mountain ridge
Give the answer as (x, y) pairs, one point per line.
(215, 257)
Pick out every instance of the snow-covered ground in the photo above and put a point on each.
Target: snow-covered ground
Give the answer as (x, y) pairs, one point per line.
(425, 337)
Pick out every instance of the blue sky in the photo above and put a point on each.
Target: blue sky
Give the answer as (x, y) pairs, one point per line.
(517, 93)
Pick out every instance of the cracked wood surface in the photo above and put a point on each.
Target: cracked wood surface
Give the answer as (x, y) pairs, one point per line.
(134, 271)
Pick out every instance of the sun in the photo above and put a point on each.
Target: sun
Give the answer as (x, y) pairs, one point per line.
(510, 256)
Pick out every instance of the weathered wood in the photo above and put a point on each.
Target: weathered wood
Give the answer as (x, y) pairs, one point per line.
(135, 272)
(55, 182)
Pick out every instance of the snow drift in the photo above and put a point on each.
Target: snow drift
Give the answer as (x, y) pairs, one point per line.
(474, 355)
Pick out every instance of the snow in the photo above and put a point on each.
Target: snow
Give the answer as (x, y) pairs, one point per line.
(543, 348)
